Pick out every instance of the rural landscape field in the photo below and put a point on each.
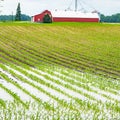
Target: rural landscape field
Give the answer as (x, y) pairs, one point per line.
(59, 71)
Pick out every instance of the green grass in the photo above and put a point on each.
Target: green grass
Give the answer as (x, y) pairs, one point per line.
(80, 46)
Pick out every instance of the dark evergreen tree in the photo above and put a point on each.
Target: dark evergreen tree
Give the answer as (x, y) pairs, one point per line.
(47, 18)
(18, 13)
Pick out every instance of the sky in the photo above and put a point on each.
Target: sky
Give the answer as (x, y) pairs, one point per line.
(32, 7)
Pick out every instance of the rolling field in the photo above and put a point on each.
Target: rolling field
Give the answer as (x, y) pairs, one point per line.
(60, 71)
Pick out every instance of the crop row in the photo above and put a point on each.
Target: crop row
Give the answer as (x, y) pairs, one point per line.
(53, 89)
(32, 45)
(66, 60)
(55, 58)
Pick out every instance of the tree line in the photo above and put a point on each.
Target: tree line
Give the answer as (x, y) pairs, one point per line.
(115, 18)
(12, 17)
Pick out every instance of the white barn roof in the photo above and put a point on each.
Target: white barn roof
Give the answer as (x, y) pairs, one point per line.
(74, 14)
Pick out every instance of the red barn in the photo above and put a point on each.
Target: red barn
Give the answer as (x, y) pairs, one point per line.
(68, 16)
(39, 17)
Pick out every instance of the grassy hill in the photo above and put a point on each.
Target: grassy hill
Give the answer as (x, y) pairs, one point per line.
(59, 71)
(80, 46)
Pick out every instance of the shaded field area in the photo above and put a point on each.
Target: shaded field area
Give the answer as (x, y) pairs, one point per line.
(80, 46)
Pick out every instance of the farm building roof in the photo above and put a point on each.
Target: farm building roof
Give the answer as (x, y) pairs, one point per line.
(74, 14)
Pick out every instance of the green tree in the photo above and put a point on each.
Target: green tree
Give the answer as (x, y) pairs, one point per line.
(47, 18)
(113, 18)
(18, 13)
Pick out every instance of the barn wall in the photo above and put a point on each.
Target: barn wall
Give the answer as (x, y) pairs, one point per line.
(39, 17)
(55, 19)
